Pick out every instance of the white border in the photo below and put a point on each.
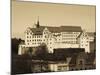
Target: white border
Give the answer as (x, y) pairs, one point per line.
(85, 2)
(5, 36)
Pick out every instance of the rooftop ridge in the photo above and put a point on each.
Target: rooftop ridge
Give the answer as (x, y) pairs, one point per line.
(57, 29)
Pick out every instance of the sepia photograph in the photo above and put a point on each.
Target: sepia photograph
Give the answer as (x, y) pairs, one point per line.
(52, 37)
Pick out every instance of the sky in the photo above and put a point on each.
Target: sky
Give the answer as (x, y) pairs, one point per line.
(25, 14)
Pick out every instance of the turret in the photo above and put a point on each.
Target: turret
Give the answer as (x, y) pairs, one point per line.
(38, 24)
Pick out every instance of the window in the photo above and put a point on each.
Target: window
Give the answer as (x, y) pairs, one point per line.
(27, 36)
(59, 69)
(30, 33)
(87, 38)
(45, 36)
(39, 36)
(81, 45)
(81, 69)
(72, 69)
(40, 39)
(46, 32)
(80, 62)
(85, 35)
(86, 45)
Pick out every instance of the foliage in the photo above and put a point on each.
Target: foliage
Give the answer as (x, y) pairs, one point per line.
(21, 64)
(41, 51)
(14, 45)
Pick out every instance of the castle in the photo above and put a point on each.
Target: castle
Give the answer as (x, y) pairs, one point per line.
(56, 37)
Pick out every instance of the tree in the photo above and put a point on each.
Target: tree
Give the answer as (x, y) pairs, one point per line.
(14, 45)
(21, 64)
(29, 51)
(41, 51)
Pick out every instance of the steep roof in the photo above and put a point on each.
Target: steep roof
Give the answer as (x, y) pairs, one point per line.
(37, 31)
(40, 29)
(73, 60)
(54, 29)
(70, 28)
(91, 34)
(68, 51)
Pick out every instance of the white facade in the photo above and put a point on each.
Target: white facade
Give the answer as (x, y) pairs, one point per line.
(59, 67)
(85, 40)
(55, 39)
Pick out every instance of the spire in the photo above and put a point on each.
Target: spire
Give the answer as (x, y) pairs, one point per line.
(38, 24)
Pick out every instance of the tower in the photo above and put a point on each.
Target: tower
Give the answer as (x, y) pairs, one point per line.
(38, 24)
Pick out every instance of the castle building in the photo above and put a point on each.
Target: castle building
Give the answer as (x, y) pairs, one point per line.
(56, 37)
(85, 40)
